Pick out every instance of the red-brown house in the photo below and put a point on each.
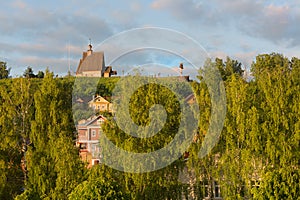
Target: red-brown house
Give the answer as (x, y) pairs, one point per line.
(89, 133)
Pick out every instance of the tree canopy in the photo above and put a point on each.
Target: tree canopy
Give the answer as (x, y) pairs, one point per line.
(256, 157)
(28, 73)
(4, 71)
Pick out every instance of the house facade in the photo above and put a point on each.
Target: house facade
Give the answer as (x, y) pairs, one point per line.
(99, 103)
(191, 99)
(89, 133)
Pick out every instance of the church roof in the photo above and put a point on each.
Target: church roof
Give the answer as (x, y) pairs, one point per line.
(93, 62)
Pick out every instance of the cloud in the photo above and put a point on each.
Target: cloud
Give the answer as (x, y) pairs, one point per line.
(124, 19)
(136, 6)
(43, 26)
(58, 66)
(187, 11)
(218, 54)
(19, 4)
(277, 23)
(42, 31)
(245, 58)
(271, 23)
(37, 37)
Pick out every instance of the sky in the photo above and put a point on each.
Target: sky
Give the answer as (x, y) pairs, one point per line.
(54, 34)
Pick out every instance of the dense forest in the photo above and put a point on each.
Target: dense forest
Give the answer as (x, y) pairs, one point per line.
(257, 155)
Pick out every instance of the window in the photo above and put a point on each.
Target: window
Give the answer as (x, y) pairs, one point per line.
(82, 145)
(211, 189)
(255, 184)
(207, 191)
(95, 162)
(217, 190)
(93, 133)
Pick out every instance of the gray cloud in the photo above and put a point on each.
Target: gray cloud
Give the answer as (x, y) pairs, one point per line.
(36, 35)
(57, 65)
(43, 36)
(55, 28)
(276, 23)
(46, 39)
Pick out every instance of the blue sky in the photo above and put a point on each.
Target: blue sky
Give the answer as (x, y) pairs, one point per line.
(43, 34)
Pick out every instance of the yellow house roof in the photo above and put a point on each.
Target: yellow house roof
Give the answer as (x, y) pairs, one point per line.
(99, 99)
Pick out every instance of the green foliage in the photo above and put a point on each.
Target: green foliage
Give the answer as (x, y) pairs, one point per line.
(259, 142)
(85, 86)
(4, 71)
(260, 137)
(16, 113)
(102, 183)
(54, 166)
(279, 184)
(40, 74)
(28, 73)
(160, 184)
(81, 111)
(37, 139)
(229, 67)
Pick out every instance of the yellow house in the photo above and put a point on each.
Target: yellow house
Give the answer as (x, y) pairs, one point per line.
(191, 99)
(100, 104)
